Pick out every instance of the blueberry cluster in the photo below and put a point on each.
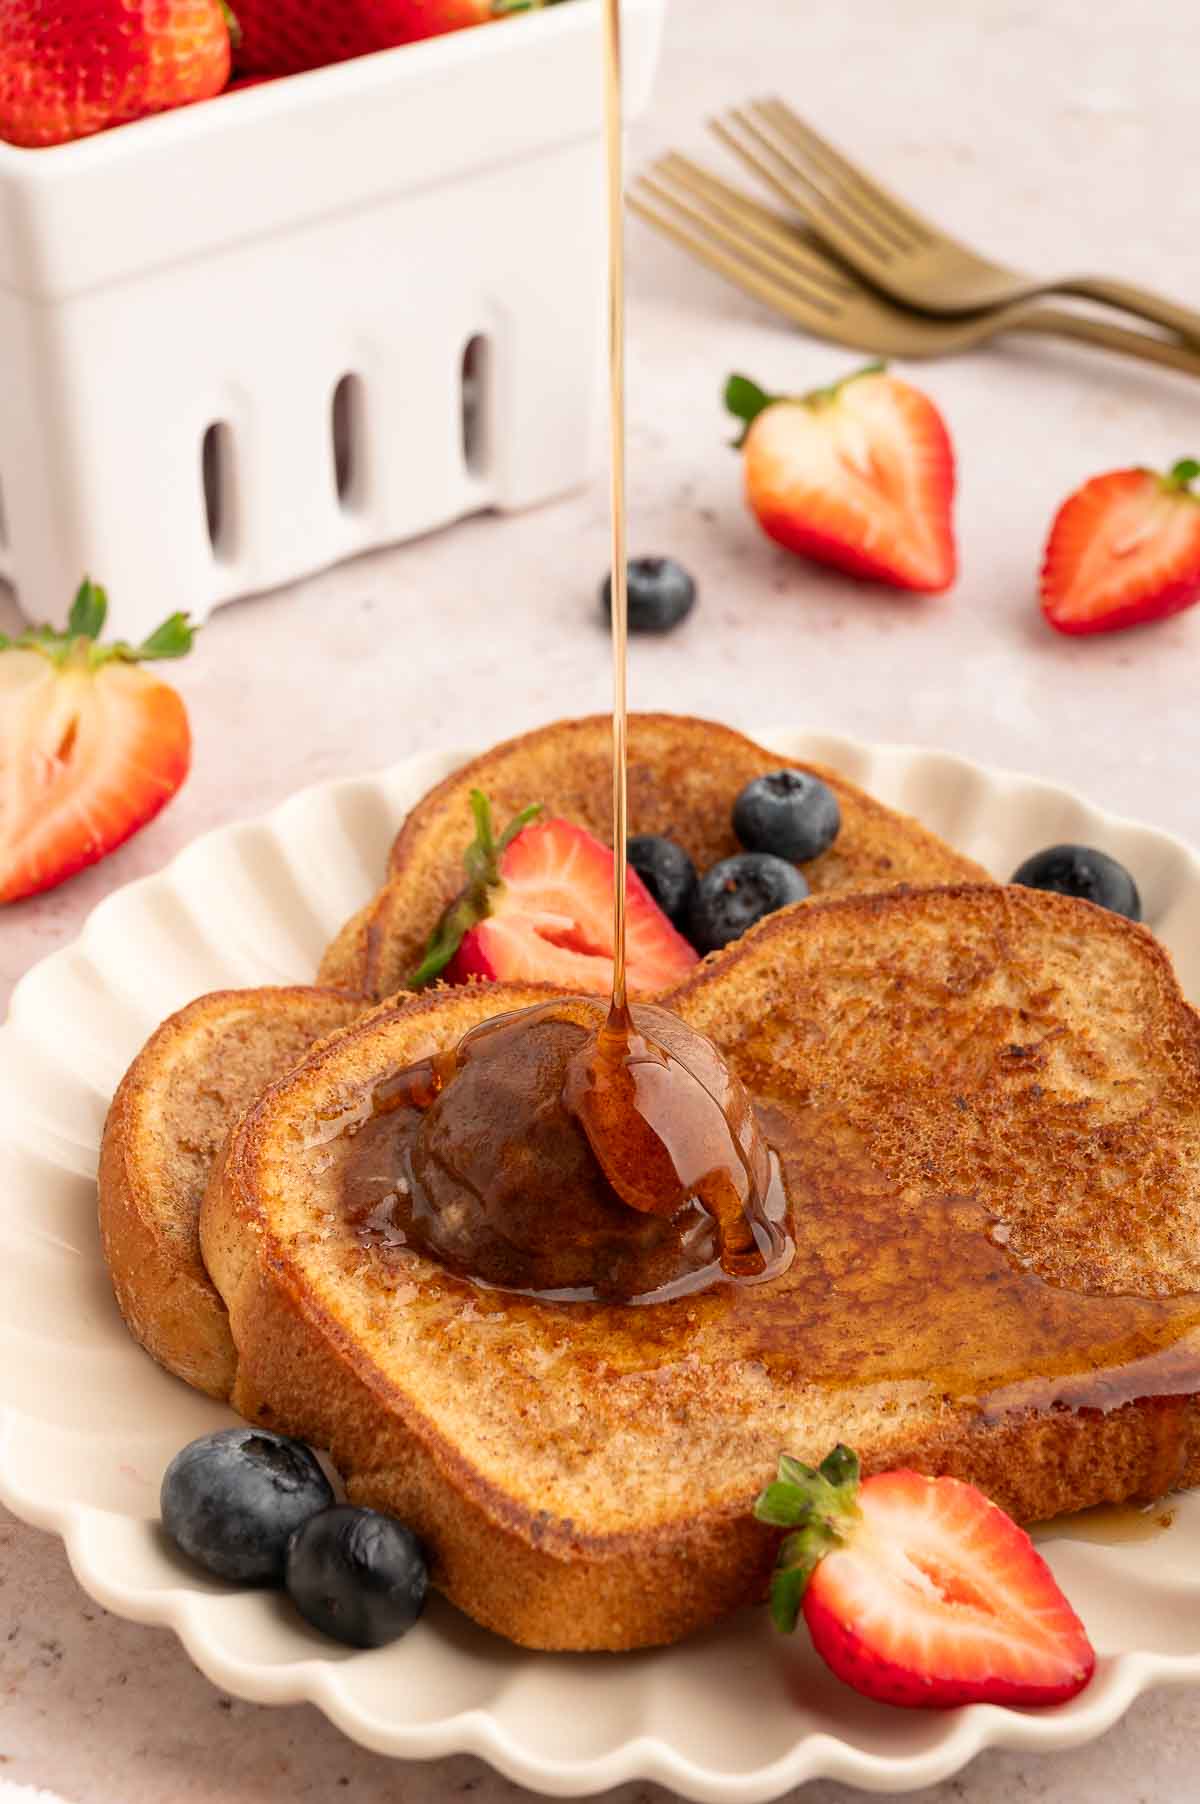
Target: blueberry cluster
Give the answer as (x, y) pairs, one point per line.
(256, 1508)
(783, 820)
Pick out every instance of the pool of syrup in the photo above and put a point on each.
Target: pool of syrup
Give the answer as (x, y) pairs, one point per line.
(1110, 1524)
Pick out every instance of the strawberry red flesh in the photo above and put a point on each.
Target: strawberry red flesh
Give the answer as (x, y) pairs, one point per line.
(1124, 549)
(551, 920)
(920, 1591)
(860, 476)
(91, 746)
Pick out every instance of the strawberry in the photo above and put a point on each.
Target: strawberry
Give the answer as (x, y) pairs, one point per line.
(72, 67)
(91, 745)
(1124, 548)
(538, 908)
(860, 475)
(281, 37)
(920, 1591)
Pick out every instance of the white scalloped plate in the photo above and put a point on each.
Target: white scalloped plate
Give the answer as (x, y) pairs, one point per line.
(87, 1422)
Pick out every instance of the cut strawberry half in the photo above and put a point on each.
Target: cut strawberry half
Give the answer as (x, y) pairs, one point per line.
(91, 745)
(920, 1591)
(859, 475)
(538, 908)
(1123, 549)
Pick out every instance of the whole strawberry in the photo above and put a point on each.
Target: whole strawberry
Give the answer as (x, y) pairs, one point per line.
(859, 475)
(281, 37)
(91, 745)
(69, 68)
(1125, 548)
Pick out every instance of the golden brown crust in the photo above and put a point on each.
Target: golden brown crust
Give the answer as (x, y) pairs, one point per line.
(683, 777)
(574, 1501)
(170, 1114)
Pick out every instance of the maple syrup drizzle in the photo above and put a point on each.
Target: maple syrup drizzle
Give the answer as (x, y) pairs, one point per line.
(619, 1016)
(574, 1151)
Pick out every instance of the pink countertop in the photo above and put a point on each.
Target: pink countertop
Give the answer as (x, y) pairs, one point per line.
(1057, 136)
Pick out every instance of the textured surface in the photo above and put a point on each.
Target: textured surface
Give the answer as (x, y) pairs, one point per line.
(174, 1107)
(1099, 100)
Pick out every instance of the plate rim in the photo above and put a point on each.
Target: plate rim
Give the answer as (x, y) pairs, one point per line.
(818, 1753)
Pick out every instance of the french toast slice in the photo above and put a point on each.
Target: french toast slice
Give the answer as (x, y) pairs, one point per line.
(684, 775)
(195, 1076)
(986, 1102)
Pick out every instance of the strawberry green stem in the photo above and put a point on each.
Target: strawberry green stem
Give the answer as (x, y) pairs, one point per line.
(85, 623)
(1183, 475)
(818, 1505)
(746, 400)
(474, 902)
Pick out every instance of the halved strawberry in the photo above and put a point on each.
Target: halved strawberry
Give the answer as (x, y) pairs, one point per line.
(1124, 548)
(920, 1591)
(91, 745)
(538, 908)
(859, 475)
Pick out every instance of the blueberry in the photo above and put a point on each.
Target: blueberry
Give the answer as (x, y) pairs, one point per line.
(356, 1575)
(739, 891)
(661, 594)
(232, 1499)
(1082, 871)
(667, 872)
(789, 813)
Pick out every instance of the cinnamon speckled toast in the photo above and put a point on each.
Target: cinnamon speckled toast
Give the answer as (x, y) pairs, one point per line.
(684, 775)
(987, 1106)
(197, 1073)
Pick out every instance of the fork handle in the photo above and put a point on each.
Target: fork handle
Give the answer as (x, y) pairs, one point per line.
(1144, 345)
(1139, 301)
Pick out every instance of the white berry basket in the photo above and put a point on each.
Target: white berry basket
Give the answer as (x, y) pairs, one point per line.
(241, 341)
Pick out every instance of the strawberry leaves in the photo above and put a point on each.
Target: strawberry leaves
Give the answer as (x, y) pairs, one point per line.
(88, 611)
(85, 623)
(473, 903)
(816, 1504)
(746, 400)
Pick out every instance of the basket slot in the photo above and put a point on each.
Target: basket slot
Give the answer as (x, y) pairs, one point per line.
(217, 475)
(348, 426)
(474, 404)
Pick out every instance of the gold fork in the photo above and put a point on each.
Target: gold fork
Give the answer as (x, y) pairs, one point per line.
(767, 257)
(893, 246)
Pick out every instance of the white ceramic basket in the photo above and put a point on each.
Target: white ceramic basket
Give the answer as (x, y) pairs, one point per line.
(241, 341)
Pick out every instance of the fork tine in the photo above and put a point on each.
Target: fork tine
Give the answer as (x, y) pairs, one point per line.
(831, 199)
(780, 270)
(783, 174)
(769, 293)
(905, 221)
(754, 220)
(799, 147)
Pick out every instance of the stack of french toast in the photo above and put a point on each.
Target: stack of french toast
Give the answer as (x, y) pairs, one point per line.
(986, 1100)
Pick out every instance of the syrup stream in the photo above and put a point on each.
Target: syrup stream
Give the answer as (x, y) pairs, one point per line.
(618, 1020)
